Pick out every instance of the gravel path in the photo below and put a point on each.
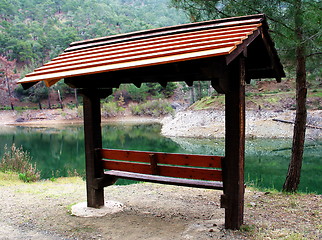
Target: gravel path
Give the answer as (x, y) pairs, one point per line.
(13, 232)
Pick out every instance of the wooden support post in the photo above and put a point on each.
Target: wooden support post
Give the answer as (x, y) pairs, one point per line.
(154, 164)
(93, 140)
(233, 198)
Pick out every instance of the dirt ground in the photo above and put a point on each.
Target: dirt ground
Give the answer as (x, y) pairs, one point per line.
(151, 211)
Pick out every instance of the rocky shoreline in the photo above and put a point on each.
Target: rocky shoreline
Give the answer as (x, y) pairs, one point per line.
(193, 124)
(259, 124)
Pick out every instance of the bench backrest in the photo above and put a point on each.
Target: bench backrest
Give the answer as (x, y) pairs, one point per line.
(190, 166)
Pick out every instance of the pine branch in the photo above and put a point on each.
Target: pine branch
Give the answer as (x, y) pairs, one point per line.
(313, 54)
(268, 17)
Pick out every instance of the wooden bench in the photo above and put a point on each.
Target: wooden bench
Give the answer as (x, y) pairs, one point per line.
(202, 171)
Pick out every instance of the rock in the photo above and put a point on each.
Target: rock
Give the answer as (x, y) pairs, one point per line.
(176, 105)
(110, 207)
(20, 120)
(211, 124)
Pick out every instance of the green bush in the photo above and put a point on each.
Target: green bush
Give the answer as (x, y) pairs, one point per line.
(154, 108)
(80, 111)
(136, 109)
(17, 160)
(146, 91)
(111, 109)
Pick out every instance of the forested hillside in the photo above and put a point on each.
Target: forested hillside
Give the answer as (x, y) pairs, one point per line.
(33, 31)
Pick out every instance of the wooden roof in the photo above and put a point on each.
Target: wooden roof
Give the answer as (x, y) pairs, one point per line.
(189, 52)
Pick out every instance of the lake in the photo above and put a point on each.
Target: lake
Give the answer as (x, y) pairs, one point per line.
(60, 151)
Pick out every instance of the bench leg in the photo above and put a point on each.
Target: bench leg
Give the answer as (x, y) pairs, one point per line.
(95, 197)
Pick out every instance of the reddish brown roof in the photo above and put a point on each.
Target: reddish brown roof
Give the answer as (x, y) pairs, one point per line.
(153, 47)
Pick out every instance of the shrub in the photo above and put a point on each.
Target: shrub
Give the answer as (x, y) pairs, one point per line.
(136, 109)
(111, 109)
(80, 111)
(155, 108)
(17, 160)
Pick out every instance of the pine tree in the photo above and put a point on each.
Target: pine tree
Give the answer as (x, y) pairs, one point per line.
(296, 29)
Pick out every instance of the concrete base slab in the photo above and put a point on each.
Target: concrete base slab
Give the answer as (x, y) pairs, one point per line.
(110, 207)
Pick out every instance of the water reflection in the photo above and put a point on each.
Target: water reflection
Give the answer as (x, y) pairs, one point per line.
(56, 151)
(267, 160)
(60, 151)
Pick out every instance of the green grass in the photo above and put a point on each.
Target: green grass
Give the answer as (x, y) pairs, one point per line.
(9, 179)
(208, 102)
(19, 108)
(64, 186)
(315, 93)
(248, 228)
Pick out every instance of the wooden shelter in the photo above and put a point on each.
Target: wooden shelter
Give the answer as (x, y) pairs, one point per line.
(228, 52)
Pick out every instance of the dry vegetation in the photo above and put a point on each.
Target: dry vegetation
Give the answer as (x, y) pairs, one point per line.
(17, 160)
(266, 95)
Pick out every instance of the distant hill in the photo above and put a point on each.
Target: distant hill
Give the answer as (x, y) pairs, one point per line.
(34, 31)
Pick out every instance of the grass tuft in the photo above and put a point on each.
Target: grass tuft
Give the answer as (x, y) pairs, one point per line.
(248, 228)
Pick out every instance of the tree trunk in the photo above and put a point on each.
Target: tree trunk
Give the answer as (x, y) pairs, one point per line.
(294, 171)
(192, 94)
(76, 97)
(49, 103)
(60, 101)
(199, 90)
(9, 94)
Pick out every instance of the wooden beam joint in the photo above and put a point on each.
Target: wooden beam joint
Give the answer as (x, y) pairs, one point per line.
(163, 83)
(189, 83)
(219, 84)
(99, 183)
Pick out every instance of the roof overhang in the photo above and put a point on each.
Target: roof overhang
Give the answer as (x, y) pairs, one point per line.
(189, 52)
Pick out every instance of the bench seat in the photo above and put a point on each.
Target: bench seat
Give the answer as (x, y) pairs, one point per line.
(165, 180)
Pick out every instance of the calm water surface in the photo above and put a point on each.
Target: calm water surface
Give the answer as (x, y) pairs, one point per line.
(59, 151)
